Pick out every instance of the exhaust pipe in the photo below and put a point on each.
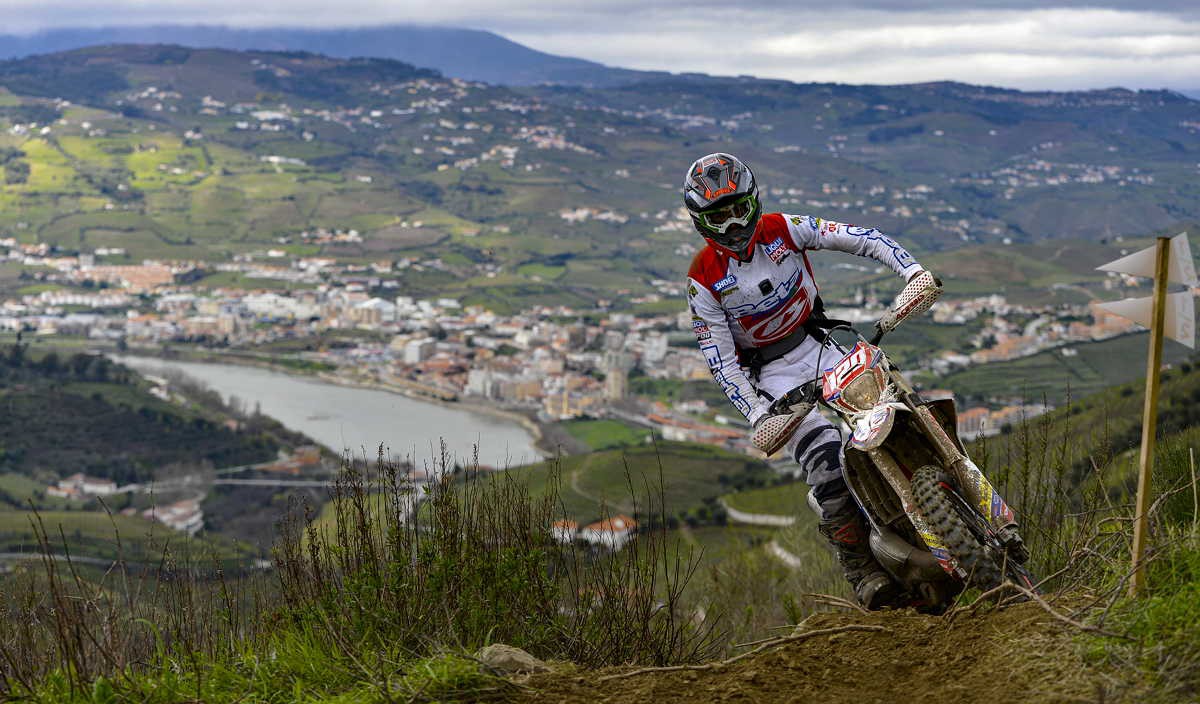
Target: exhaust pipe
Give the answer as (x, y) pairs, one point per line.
(906, 562)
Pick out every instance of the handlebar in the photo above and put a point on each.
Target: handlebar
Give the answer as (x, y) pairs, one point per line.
(917, 297)
(808, 392)
(805, 393)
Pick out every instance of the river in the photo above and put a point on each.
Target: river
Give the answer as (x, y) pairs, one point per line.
(356, 419)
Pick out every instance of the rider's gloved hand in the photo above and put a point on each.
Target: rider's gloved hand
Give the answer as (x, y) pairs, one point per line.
(917, 296)
(772, 431)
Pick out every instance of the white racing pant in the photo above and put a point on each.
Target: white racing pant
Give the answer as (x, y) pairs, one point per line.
(817, 445)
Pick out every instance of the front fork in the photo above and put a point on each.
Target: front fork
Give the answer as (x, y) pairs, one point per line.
(975, 487)
(971, 482)
(890, 469)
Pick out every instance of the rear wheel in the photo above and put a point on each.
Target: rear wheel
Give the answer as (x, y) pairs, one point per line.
(952, 520)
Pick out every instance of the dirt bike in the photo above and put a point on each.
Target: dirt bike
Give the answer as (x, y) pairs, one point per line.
(937, 525)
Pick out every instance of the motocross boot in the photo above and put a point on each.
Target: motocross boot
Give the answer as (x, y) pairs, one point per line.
(848, 535)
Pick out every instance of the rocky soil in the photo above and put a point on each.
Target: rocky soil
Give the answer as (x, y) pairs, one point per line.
(1016, 654)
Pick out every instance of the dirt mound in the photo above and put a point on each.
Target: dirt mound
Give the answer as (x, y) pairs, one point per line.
(1018, 654)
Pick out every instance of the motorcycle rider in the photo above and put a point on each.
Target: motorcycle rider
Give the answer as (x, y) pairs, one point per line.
(755, 314)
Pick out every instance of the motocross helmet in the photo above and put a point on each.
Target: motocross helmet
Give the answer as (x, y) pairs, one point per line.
(721, 195)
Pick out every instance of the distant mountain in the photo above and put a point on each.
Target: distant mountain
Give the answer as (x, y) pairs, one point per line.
(511, 197)
(461, 53)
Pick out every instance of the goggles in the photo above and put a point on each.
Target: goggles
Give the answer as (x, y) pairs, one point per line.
(736, 215)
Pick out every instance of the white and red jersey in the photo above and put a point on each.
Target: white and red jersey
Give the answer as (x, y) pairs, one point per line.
(742, 305)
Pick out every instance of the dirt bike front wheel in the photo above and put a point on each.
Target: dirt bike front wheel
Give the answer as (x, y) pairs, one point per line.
(935, 496)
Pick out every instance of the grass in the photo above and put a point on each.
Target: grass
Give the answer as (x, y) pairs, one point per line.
(1092, 431)
(374, 605)
(1162, 642)
(782, 500)
(234, 279)
(34, 289)
(674, 390)
(715, 545)
(606, 482)
(95, 534)
(1050, 374)
(377, 606)
(301, 672)
(605, 434)
(665, 306)
(755, 592)
(1070, 477)
(542, 272)
(19, 490)
(1163, 624)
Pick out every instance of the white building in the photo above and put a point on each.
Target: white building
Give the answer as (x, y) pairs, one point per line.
(616, 375)
(564, 531)
(375, 311)
(417, 351)
(655, 348)
(79, 485)
(611, 533)
(184, 516)
(481, 382)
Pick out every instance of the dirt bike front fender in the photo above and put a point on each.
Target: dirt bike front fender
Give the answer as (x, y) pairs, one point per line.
(873, 427)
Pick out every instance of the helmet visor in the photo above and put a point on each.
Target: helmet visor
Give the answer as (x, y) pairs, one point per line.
(736, 215)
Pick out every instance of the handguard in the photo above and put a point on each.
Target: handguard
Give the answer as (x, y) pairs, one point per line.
(773, 432)
(917, 296)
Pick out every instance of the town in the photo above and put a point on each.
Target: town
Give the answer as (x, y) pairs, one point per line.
(550, 362)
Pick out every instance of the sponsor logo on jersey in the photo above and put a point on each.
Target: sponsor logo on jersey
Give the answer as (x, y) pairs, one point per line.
(712, 354)
(777, 314)
(777, 250)
(784, 290)
(780, 323)
(725, 283)
(692, 291)
(797, 220)
(903, 258)
(700, 328)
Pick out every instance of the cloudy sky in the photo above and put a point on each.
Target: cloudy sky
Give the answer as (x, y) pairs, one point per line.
(1019, 43)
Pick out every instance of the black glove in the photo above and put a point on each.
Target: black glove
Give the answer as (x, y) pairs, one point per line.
(805, 395)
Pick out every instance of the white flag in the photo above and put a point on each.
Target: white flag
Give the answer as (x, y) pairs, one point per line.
(1179, 323)
(1180, 270)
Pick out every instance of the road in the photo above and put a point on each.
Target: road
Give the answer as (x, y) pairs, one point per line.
(193, 481)
(293, 483)
(106, 563)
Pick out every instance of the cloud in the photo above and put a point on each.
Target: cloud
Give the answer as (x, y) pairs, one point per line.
(1035, 49)
(1021, 43)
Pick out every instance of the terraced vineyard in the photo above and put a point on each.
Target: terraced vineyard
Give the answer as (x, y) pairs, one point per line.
(511, 197)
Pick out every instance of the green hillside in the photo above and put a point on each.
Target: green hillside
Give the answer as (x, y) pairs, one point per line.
(789, 499)
(1057, 377)
(1089, 438)
(512, 197)
(84, 413)
(628, 480)
(94, 535)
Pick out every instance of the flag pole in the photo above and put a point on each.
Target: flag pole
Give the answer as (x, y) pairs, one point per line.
(1150, 415)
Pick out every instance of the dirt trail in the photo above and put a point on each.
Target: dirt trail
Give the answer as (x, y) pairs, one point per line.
(1019, 654)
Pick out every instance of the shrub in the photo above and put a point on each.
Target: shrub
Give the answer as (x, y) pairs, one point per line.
(481, 567)
(372, 606)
